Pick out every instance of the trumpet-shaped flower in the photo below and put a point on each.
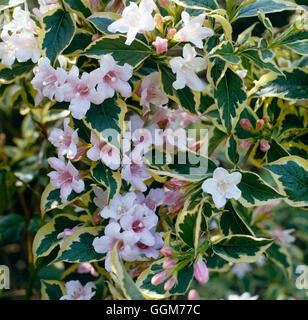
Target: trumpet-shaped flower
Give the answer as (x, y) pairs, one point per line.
(65, 140)
(244, 296)
(186, 69)
(87, 267)
(192, 30)
(112, 77)
(283, 236)
(119, 206)
(223, 186)
(103, 151)
(134, 20)
(75, 291)
(161, 45)
(66, 177)
(49, 82)
(81, 92)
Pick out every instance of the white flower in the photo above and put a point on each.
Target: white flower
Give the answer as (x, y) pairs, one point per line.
(45, 6)
(240, 269)
(283, 236)
(223, 186)
(193, 30)
(66, 234)
(244, 296)
(134, 20)
(75, 291)
(186, 69)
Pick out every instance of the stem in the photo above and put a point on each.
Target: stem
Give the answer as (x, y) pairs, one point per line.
(247, 155)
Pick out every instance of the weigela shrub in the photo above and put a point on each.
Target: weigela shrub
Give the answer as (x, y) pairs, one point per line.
(170, 137)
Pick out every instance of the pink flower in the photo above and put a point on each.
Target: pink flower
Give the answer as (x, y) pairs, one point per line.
(153, 200)
(264, 145)
(49, 82)
(171, 33)
(66, 177)
(160, 44)
(150, 91)
(140, 220)
(103, 151)
(193, 295)
(201, 272)
(169, 284)
(112, 77)
(87, 267)
(81, 92)
(159, 278)
(169, 264)
(150, 251)
(135, 174)
(283, 236)
(66, 140)
(66, 234)
(245, 144)
(119, 206)
(75, 291)
(166, 251)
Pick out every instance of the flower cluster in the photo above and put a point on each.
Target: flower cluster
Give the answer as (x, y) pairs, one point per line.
(80, 92)
(132, 224)
(18, 39)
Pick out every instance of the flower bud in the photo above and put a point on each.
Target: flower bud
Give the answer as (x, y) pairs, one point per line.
(96, 219)
(169, 284)
(193, 295)
(160, 44)
(168, 264)
(201, 272)
(166, 251)
(159, 22)
(260, 124)
(246, 124)
(171, 33)
(264, 145)
(96, 36)
(164, 3)
(159, 278)
(266, 118)
(245, 144)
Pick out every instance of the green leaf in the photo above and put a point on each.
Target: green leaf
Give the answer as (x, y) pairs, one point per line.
(232, 150)
(123, 278)
(51, 197)
(17, 71)
(79, 246)
(230, 96)
(231, 222)
(134, 54)
(275, 152)
(101, 20)
(79, 7)
(107, 120)
(79, 42)
(291, 86)
(291, 175)
(225, 51)
(297, 42)
(52, 289)
(216, 70)
(10, 228)
(189, 100)
(255, 191)
(198, 4)
(216, 264)
(110, 179)
(187, 166)
(254, 56)
(184, 278)
(268, 6)
(240, 248)
(58, 32)
(46, 238)
(281, 256)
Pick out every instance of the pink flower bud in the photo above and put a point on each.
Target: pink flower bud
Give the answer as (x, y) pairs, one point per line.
(245, 144)
(266, 118)
(96, 36)
(168, 264)
(201, 272)
(159, 22)
(96, 219)
(171, 33)
(260, 124)
(164, 3)
(246, 124)
(166, 251)
(193, 295)
(159, 278)
(169, 284)
(160, 44)
(264, 145)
